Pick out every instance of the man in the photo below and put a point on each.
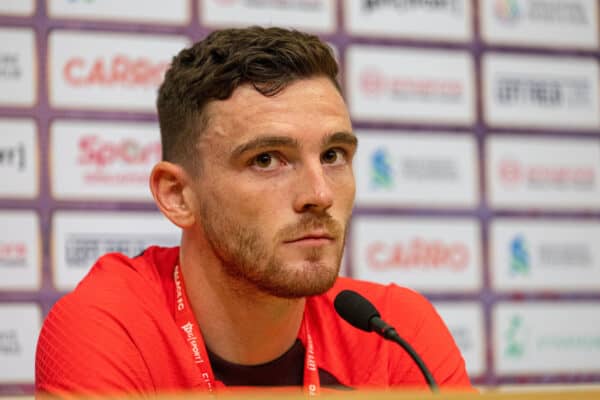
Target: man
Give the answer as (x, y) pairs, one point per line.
(257, 173)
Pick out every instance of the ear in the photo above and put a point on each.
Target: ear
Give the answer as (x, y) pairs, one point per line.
(171, 187)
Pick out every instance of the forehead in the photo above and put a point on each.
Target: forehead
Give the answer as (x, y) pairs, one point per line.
(306, 107)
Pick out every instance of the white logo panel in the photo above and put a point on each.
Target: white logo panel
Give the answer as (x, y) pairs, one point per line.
(465, 322)
(553, 255)
(103, 160)
(19, 164)
(20, 325)
(416, 169)
(80, 238)
(112, 71)
(544, 173)
(398, 85)
(546, 337)
(425, 254)
(310, 15)
(173, 12)
(540, 91)
(570, 23)
(20, 250)
(443, 20)
(18, 67)
(22, 8)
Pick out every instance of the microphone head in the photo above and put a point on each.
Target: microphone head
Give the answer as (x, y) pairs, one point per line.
(355, 309)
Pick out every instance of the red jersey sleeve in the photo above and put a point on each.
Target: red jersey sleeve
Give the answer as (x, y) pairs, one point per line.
(82, 349)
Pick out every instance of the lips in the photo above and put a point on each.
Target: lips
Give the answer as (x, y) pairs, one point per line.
(312, 236)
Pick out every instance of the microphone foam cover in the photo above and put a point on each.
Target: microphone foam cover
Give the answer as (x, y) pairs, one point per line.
(355, 309)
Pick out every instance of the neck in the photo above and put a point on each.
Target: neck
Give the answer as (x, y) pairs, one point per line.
(234, 316)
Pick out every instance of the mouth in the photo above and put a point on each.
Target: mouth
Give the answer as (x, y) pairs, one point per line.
(313, 238)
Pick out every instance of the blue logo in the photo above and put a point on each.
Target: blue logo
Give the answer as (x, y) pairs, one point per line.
(519, 257)
(381, 170)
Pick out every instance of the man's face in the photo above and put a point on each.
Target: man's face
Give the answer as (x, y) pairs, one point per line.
(276, 186)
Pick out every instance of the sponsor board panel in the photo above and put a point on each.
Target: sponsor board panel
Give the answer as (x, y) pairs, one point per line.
(570, 23)
(20, 325)
(80, 238)
(103, 160)
(426, 254)
(416, 169)
(112, 71)
(540, 91)
(546, 338)
(443, 20)
(309, 15)
(22, 8)
(18, 67)
(403, 85)
(554, 255)
(173, 12)
(465, 322)
(19, 163)
(20, 250)
(543, 173)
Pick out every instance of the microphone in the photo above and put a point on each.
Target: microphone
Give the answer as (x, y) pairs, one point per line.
(360, 313)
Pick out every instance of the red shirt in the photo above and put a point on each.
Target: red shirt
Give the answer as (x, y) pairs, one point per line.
(116, 333)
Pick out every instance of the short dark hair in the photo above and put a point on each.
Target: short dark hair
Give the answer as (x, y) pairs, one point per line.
(267, 58)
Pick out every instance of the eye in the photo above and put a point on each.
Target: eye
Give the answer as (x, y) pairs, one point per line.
(265, 161)
(333, 156)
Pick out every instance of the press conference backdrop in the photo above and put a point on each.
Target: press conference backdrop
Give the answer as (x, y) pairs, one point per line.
(478, 170)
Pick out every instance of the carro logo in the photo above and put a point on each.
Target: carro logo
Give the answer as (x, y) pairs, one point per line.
(120, 70)
(507, 10)
(418, 253)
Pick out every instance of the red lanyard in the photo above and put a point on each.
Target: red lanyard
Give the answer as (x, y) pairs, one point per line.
(184, 318)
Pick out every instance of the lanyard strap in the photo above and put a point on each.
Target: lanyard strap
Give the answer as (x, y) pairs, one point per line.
(185, 320)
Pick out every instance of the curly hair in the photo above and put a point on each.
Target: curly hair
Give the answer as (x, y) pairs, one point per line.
(267, 58)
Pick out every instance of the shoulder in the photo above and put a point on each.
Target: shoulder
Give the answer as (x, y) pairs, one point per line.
(108, 320)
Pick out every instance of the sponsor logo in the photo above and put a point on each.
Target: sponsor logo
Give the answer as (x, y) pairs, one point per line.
(519, 257)
(548, 11)
(507, 10)
(10, 67)
(519, 342)
(418, 253)
(13, 157)
(548, 92)
(308, 5)
(13, 254)
(101, 153)
(375, 83)
(82, 250)
(515, 338)
(9, 343)
(454, 6)
(120, 70)
(561, 177)
(383, 170)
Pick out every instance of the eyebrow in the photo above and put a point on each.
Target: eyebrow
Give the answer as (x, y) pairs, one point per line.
(283, 141)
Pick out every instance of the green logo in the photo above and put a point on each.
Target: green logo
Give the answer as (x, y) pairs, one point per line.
(515, 340)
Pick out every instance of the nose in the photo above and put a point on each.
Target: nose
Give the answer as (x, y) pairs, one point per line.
(313, 191)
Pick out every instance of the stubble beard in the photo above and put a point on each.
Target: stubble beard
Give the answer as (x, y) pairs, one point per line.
(246, 257)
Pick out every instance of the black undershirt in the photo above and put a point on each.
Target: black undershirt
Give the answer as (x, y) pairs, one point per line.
(286, 370)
